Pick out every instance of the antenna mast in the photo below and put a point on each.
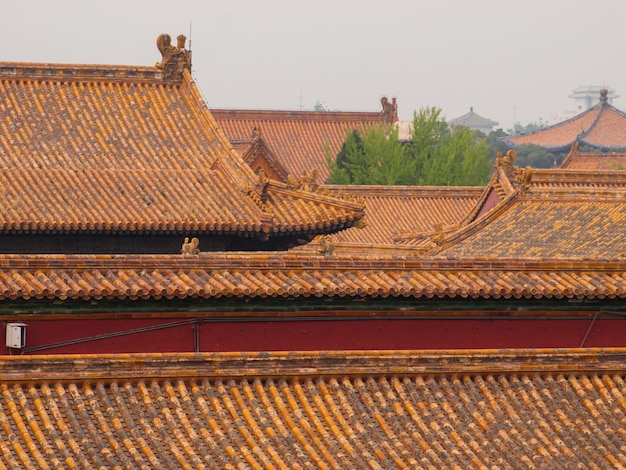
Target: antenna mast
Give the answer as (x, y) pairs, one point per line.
(189, 35)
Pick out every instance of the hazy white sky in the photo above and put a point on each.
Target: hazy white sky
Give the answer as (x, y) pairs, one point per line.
(509, 60)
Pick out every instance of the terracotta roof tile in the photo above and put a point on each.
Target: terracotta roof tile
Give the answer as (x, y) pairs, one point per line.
(576, 160)
(549, 214)
(297, 410)
(602, 126)
(245, 275)
(395, 210)
(120, 149)
(297, 139)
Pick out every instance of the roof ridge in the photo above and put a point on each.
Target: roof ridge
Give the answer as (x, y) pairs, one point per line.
(164, 366)
(283, 115)
(79, 72)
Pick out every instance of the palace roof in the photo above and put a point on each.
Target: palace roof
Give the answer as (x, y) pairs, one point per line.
(294, 142)
(473, 120)
(602, 126)
(380, 409)
(392, 211)
(298, 275)
(577, 160)
(119, 149)
(538, 214)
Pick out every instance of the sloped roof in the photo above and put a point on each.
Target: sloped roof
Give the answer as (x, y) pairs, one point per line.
(577, 160)
(298, 275)
(473, 120)
(298, 139)
(392, 212)
(449, 409)
(544, 214)
(601, 126)
(119, 148)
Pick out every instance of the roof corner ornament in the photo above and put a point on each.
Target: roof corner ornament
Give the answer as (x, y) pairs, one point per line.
(361, 223)
(389, 112)
(507, 163)
(175, 58)
(190, 248)
(307, 182)
(326, 245)
(258, 192)
(524, 178)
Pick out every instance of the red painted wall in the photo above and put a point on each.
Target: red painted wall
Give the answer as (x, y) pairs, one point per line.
(182, 335)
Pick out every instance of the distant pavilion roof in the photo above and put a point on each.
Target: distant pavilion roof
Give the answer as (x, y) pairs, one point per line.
(602, 126)
(473, 120)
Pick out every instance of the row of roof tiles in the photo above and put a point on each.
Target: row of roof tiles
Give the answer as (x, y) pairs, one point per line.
(145, 277)
(297, 140)
(90, 153)
(401, 416)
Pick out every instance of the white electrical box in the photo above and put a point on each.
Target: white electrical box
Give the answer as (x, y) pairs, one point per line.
(16, 335)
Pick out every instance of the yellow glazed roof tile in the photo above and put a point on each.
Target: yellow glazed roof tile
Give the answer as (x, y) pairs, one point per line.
(114, 148)
(297, 140)
(247, 276)
(350, 409)
(542, 214)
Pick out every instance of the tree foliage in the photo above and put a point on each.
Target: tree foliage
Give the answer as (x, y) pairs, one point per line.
(447, 155)
(436, 155)
(377, 157)
(536, 156)
(519, 129)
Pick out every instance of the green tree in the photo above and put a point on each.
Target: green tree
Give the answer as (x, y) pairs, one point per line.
(376, 157)
(447, 156)
(536, 156)
(519, 129)
(495, 143)
(436, 155)
(319, 106)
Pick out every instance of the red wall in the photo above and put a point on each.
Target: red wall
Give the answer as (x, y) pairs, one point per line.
(181, 335)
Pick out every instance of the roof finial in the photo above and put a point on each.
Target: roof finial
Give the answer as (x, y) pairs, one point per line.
(603, 95)
(175, 58)
(390, 110)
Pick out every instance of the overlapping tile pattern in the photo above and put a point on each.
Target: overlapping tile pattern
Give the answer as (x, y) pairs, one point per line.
(117, 149)
(577, 160)
(298, 139)
(602, 126)
(394, 210)
(558, 214)
(246, 275)
(496, 409)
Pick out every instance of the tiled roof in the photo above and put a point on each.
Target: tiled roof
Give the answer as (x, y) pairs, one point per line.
(394, 211)
(297, 139)
(545, 214)
(279, 275)
(472, 120)
(117, 148)
(577, 160)
(601, 126)
(405, 409)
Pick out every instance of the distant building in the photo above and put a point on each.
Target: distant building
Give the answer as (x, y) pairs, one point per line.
(602, 126)
(586, 96)
(474, 121)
